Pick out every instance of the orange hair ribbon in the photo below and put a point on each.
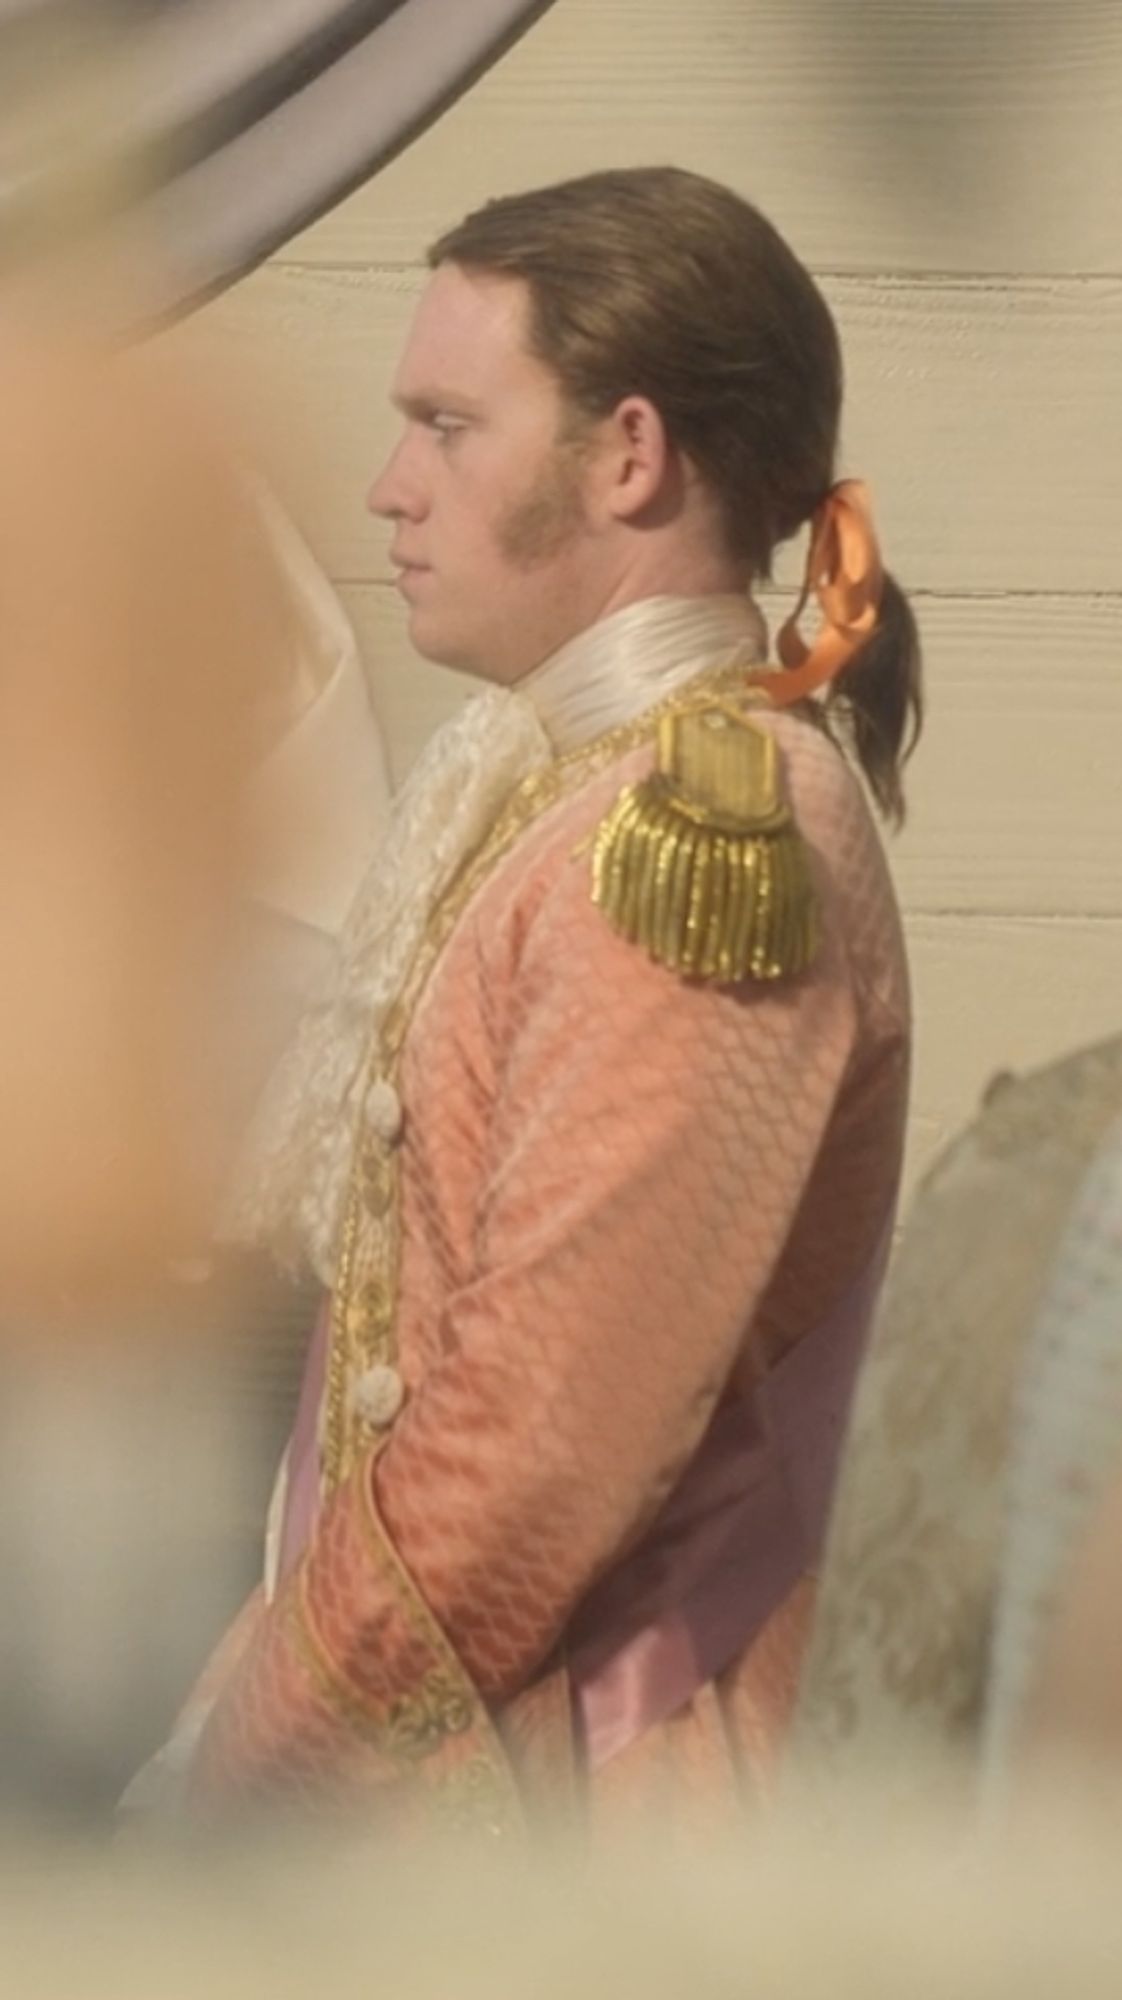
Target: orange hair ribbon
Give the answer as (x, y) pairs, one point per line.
(844, 569)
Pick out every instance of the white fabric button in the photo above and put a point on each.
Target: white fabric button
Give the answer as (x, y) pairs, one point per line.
(378, 1395)
(384, 1115)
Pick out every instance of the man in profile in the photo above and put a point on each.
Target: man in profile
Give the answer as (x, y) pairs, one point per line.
(595, 1148)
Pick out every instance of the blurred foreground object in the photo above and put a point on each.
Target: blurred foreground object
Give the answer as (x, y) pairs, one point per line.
(191, 782)
(187, 139)
(143, 644)
(929, 1916)
(141, 622)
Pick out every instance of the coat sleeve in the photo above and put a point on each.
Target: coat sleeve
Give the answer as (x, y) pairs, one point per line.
(647, 1153)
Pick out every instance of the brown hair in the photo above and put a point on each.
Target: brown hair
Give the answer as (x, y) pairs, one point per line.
(656, 282)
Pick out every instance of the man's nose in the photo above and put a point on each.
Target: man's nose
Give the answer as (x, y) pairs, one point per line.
(396, 493)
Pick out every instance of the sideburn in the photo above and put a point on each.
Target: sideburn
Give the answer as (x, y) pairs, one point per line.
(549, 515)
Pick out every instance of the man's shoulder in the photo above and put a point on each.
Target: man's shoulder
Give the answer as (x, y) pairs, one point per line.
(682, 840)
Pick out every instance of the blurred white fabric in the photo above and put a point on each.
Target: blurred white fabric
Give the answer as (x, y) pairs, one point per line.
(317, 809)
(322, 794)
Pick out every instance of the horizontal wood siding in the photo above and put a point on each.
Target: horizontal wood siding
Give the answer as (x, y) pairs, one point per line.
(882, 135)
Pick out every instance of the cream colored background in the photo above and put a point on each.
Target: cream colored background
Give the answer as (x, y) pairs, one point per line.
(952, 170)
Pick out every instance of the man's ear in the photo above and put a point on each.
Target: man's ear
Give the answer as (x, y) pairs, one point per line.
(637, 459)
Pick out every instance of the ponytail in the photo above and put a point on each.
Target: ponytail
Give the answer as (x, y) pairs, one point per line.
(876, 705)
(864, 663)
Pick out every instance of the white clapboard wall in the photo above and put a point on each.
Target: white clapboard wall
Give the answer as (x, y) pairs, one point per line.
(952, 170)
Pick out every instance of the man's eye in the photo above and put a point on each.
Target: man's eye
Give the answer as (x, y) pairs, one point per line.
(446, 427)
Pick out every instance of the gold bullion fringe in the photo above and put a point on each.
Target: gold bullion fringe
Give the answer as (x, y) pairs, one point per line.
(713, 888)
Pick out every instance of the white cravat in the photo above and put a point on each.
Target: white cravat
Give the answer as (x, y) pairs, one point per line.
(634, 659)
(291, 1185)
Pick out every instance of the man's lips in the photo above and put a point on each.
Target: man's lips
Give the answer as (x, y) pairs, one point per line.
(408, 573)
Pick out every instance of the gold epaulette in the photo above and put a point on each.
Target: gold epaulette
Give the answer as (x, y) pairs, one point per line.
(701, 862)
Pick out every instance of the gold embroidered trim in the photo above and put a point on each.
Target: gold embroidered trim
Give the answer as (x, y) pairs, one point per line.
(454, 1706)
(473, 1794)
(364, 1302)
(478, 1789)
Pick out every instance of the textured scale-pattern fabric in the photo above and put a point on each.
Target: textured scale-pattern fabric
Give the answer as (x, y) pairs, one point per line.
(623, 1195)
(603, 1164)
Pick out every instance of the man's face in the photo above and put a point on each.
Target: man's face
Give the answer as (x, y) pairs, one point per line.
(495, 553)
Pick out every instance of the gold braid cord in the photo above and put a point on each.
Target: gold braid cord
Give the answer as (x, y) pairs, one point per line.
(701, 862)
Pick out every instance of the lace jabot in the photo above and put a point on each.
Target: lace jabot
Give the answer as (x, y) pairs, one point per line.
(290, 1185)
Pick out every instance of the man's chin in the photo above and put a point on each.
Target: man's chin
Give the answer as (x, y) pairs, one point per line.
(425, 635)
(434, 642)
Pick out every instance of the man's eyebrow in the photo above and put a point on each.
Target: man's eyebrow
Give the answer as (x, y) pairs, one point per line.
(421, 407)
